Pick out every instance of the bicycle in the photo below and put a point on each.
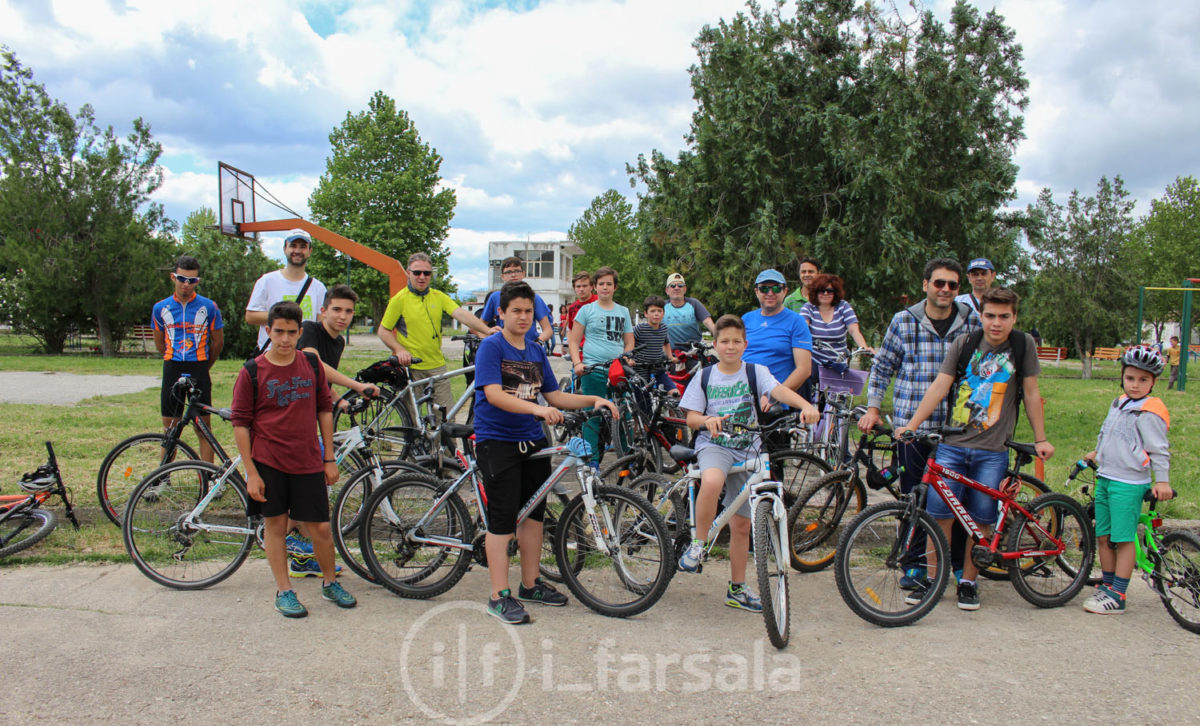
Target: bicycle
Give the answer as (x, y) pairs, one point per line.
(23, 521)
(768, 521)
(418, 539)
(1044, 547)
(1169, 561)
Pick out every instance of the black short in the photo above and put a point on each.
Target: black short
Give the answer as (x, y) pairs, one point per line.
(510, 478)
(304, 496)
(172, 370)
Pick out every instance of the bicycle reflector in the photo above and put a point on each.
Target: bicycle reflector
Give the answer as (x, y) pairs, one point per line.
(616, 373)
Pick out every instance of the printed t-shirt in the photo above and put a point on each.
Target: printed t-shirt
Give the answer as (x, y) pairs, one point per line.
(283, 419)
(987, 394)
(728, 394)
(273, 287)
(605, 331)
(524, 374)
(417, 320)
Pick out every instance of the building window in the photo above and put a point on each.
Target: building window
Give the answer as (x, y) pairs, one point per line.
(538, 264)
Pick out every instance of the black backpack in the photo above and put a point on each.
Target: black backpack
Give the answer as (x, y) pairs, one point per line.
(1016, 342)
(252, 367)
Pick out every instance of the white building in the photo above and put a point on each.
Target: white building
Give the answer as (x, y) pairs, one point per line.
(549, 267)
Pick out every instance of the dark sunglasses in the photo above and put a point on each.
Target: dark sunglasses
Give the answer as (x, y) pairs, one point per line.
(677, 284)
(952, 284)
(826, 291)
(764, 289)
(186, 279)
(421, 273)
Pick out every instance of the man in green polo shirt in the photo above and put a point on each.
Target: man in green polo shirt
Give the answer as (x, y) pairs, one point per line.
(412, 325)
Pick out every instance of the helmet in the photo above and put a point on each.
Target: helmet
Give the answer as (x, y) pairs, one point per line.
(1145, 358)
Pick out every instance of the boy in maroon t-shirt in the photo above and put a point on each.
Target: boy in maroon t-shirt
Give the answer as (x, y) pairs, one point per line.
(285, 473)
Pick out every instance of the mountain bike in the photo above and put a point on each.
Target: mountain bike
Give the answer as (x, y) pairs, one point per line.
(23, 522)
(1046, 547)
(1169, 561)
(611, 548)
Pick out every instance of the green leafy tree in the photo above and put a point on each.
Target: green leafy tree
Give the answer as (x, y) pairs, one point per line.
(843, 131)
(229, 267)
(381, 188)
(1083, 293)
(1163, 248)
(607, 233)
(78, 233)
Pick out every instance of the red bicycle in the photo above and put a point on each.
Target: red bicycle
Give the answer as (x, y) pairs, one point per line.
(1046, 545)
(23, 523)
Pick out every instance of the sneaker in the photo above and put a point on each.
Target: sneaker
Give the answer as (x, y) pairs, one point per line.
(507, 609)
(968, 596)
(308, 567)
(918, 593)
(739, 596)
(1105, 602)
(150, 493)
(287, 604)
(299, 547)
(690, 560)
(541, 593)
(337, 595)
(913, 578)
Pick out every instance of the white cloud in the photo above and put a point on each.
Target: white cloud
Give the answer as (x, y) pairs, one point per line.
(472, 198)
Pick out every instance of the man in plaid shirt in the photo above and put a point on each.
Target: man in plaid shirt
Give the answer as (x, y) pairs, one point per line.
(913, 348)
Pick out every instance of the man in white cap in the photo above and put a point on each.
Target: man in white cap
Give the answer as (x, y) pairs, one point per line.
(683, 315)
(982, 275)
(291, 283)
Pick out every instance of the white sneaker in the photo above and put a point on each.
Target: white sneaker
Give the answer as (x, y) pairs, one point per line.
(690, 561)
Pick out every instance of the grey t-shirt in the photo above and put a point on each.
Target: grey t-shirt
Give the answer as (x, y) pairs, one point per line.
(728, 395)
(987, 394)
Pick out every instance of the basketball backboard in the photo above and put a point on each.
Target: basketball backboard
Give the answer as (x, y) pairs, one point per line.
(236, 190)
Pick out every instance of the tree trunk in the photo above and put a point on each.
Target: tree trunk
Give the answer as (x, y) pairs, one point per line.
(104, 333)
(1086, 357)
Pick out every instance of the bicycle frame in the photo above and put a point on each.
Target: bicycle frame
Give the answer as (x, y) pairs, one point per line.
(759, 486)
(11, 504)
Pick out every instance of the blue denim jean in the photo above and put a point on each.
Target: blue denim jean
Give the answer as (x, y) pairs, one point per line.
(985, 467)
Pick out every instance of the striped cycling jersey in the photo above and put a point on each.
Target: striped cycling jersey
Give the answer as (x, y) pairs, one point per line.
(187, 326)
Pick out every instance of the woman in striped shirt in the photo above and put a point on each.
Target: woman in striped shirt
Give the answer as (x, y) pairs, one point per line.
(830, 318)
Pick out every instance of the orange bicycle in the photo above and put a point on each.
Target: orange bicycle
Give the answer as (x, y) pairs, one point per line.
(22, 521)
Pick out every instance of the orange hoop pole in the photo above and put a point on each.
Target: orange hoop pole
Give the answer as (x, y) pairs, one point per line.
(397, 277)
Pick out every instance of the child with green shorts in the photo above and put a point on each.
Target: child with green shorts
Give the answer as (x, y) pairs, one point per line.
(1131, 445)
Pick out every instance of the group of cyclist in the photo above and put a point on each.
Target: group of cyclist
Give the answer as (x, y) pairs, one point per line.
(964, 349)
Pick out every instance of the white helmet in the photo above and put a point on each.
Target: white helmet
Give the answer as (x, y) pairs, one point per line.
(1145, 358)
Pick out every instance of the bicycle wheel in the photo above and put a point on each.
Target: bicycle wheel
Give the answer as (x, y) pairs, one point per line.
(656, 488)
(871, 559)
(548, 566)
(770, 561)
(1179, 578)
(389, 537)
(815, 520)
(128, 463)
(170, 542)
(347, 508)
(627, 563)
(389, 427)
(24, 530)
(631, 466)
(1031, 488)
(1042, 579)
(796, 470)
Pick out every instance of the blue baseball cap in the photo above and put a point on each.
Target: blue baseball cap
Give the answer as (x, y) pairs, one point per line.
(980, 263)
(770, 275)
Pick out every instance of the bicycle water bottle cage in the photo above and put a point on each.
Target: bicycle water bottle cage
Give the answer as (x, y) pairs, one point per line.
(578, 447)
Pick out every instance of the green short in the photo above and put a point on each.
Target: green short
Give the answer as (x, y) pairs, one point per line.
(1118, 506)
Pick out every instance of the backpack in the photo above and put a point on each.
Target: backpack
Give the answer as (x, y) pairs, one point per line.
(1016, 342)
(252, 367)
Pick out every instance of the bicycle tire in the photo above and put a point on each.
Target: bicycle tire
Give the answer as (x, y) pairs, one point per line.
(1179, 578)
(654, 487)
(1031, 488)
(394, 436)
(344, 515)
(127, 464)
(815, 520)
(25, 529)
(1036, 578)
(640, 554)
(177, 555)
(795, 470)
(629, 467)
(548, 566)
(770, 563)
(870, 562)
(403, 566)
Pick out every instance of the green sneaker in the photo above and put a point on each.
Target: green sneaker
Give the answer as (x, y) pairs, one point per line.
(337, 595)
(287, 604)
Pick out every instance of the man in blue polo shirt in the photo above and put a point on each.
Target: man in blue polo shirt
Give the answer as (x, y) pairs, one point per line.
(189, 332)
(776, 337)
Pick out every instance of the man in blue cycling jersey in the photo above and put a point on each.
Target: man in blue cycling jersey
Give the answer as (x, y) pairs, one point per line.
(189, 332)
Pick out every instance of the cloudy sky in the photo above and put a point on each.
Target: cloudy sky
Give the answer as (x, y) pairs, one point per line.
(537, 106)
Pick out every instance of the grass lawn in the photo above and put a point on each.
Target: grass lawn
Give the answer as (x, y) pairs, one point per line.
(84, 433)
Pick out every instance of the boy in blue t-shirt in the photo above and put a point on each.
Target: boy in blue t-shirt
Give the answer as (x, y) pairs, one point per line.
(510, 372)
(728, 398)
